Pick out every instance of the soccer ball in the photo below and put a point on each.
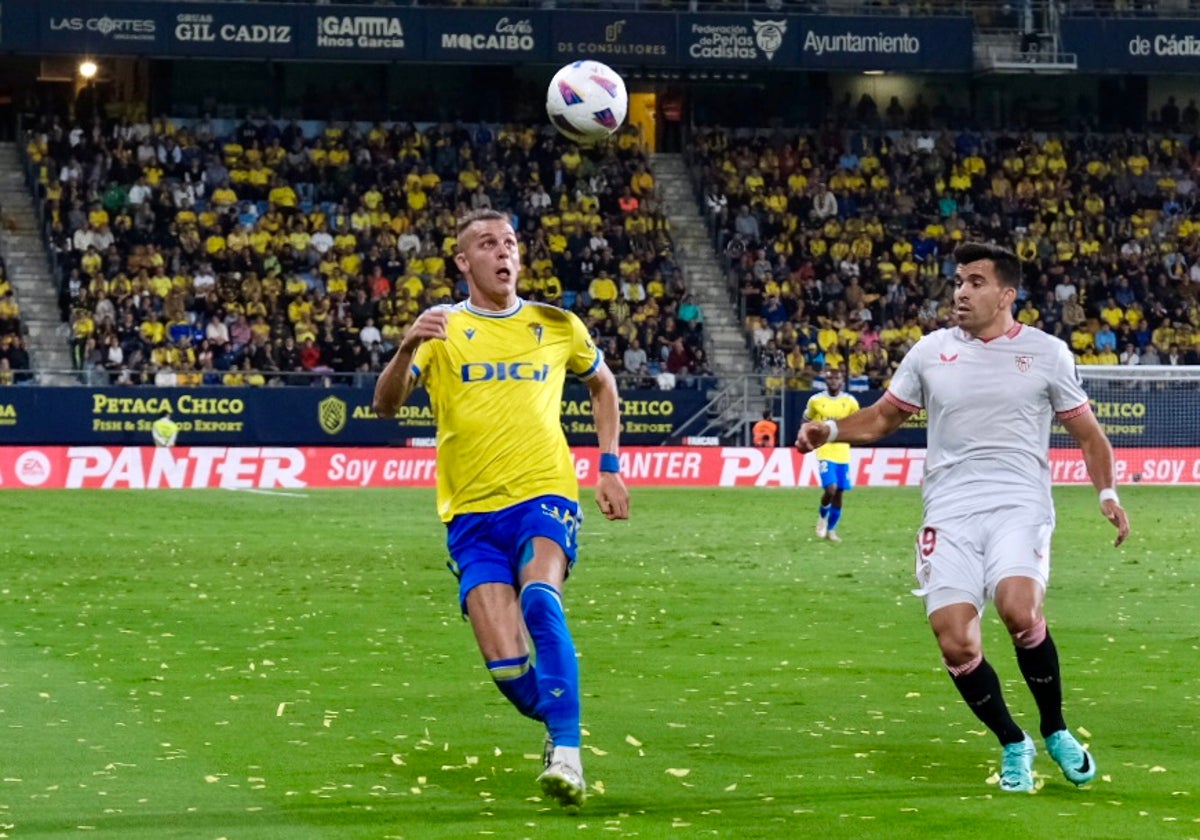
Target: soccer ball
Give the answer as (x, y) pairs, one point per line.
(586, 101)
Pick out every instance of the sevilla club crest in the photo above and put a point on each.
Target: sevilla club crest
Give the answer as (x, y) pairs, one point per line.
(1024, 363)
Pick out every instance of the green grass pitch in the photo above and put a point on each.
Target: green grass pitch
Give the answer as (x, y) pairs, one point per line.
(211, 664)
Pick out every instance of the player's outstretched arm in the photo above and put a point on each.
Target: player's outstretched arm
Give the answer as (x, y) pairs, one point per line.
(866, 425)
(396, 383)
(1098, 457)
(612, 497)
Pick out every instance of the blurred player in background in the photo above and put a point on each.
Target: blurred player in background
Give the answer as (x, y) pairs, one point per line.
(991, 388)
(833, 459)
(494, 367)
(164, 430)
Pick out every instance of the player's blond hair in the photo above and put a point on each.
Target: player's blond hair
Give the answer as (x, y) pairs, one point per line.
(481, 215)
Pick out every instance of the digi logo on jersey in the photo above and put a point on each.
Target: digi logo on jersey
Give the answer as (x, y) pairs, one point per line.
(501, 371)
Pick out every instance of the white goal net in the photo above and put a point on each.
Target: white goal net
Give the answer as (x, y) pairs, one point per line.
(1152, 417)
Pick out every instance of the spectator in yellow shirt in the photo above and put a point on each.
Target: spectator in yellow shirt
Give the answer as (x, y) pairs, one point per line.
(603, 288)
(642, 182)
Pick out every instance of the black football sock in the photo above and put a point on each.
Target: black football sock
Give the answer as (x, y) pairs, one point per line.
(981, 689)
(1039, 666)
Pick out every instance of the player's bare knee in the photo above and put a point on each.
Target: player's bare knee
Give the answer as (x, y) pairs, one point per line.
(958, 651)
(1031, 636)
(1020, 616)
(959, 643)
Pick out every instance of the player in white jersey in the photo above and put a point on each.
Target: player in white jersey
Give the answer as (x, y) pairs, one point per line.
(991, 387)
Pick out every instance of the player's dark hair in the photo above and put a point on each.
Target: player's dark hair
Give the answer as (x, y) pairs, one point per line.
(1007, 264)
(481, 215)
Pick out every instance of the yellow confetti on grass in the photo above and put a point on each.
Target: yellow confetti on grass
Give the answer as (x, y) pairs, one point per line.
(1158, 769)
(678, 772)
(633, 742)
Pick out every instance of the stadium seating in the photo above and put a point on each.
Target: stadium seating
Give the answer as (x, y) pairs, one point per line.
(839, 241)
(14, 360)
(196, 252)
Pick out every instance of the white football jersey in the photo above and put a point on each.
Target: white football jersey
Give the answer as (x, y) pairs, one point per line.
(989, 406)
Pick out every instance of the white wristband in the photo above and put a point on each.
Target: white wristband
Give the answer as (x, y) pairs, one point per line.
(1109, 494)
(833, 430)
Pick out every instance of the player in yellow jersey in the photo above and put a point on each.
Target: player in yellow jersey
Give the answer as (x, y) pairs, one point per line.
(833, 459)
(494, 367)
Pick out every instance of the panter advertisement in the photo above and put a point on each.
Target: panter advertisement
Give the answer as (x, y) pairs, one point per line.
(293, 470)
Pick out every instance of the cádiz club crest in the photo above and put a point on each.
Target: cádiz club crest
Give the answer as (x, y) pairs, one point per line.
(768, 35)
(331, 414)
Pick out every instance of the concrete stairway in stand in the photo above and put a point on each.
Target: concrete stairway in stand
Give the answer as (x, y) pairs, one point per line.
(29, 273)
(729, 352)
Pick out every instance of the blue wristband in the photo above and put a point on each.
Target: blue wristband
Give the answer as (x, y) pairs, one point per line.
(609, 463)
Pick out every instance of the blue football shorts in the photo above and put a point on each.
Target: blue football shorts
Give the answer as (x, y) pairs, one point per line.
(491, 547)
(833, 473)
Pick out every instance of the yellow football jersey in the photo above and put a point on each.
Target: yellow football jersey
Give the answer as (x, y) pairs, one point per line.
(495, 386)
(822, 406)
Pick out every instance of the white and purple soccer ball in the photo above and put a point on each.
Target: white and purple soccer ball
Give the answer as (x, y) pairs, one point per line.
(586, 101)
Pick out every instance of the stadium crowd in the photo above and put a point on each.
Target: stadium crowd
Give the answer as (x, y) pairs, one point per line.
(839, 242)
(263, 252)
(267, 252)
(14, 359)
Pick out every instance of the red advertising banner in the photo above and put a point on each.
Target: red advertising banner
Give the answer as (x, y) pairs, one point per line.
(297, 468)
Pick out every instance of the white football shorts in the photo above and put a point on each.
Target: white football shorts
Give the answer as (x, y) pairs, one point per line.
(962, 559)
